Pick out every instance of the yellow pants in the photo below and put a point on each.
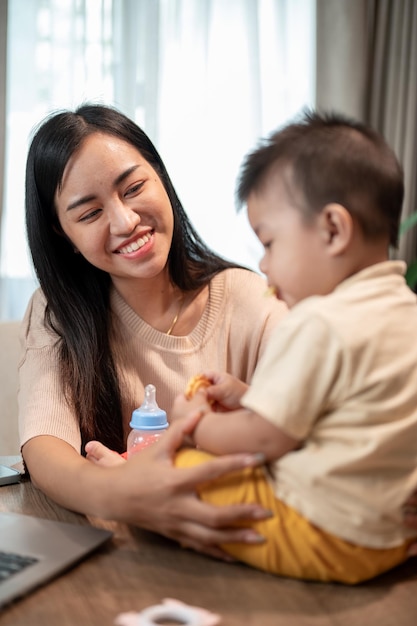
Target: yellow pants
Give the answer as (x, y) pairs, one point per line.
(293, 546)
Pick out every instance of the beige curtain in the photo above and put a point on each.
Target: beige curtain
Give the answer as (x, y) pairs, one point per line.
(367, 68)
(3, 65)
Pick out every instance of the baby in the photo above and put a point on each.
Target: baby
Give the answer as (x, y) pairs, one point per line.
(333, 402)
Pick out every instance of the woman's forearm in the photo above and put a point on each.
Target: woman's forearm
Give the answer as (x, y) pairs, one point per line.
(65, 476)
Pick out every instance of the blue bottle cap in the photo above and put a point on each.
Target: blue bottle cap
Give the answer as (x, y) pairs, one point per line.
(149, 416)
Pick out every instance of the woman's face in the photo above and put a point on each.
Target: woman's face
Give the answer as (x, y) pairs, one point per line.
(114, 209)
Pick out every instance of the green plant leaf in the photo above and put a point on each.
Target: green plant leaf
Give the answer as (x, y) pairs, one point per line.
(411, 274)
(408, 223)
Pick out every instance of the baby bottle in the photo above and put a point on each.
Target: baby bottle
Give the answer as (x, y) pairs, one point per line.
(148, 423)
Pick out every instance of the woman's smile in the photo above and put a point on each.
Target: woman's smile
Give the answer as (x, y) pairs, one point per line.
(137, 243)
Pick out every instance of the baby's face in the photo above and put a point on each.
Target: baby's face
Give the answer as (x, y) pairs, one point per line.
(295, 260)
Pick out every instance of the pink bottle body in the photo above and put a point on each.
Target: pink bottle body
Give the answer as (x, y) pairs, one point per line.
(140, 439)
(148, 423)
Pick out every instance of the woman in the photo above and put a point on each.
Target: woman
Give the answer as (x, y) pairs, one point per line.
(129, 295)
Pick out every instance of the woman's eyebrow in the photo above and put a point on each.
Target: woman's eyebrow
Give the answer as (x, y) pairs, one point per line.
(79, 202)
(119, 179)
(125, 174)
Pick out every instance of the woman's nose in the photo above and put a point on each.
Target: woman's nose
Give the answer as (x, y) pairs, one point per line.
(123, 219)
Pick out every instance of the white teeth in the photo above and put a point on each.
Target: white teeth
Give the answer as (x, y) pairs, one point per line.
(135, 245)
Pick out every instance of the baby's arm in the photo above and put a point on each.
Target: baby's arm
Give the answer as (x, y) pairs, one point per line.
(240, 430)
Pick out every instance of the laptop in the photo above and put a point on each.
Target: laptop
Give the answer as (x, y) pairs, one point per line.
(35, 550)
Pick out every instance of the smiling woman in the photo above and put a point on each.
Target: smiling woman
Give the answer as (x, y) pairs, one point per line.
(119, 217)
(129, 295)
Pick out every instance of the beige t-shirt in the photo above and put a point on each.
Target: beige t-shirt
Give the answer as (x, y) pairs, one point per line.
(231, 335)
(340, 374)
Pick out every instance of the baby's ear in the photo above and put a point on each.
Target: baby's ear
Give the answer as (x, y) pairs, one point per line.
(336, 225)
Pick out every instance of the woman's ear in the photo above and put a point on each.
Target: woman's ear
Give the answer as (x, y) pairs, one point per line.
(336, 225)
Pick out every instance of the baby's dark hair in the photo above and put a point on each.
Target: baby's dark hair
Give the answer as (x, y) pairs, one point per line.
(331, 158)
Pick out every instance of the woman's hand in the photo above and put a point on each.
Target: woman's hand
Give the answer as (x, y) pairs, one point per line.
(98, 454)
(155, 495)
(193, 409)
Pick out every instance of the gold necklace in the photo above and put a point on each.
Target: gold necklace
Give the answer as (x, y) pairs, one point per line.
(175, 320)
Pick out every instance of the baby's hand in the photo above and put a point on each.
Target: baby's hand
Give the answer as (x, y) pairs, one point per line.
(225, 391)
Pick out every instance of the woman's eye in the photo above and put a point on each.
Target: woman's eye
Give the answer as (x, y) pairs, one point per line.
(132, 190)
(89, 216)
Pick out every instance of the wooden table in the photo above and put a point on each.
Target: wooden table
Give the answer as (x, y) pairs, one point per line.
(138, 569)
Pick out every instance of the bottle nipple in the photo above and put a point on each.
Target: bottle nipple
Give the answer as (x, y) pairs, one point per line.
(149, 416)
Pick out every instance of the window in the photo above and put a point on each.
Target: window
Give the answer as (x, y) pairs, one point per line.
(204, 78)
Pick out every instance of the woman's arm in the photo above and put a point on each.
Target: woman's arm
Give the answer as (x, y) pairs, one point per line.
(164, 501)
(63, 475)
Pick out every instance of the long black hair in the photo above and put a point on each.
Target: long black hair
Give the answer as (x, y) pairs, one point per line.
(78, 293)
